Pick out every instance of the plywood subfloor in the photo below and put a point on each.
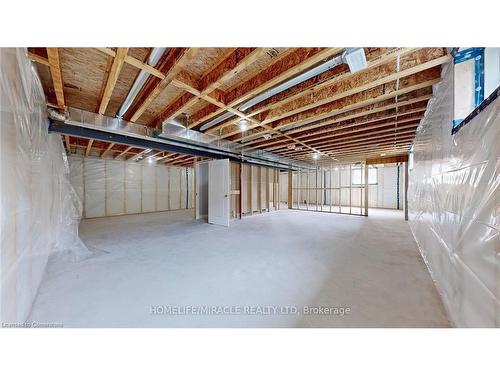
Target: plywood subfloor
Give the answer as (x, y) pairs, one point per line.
(283, 258)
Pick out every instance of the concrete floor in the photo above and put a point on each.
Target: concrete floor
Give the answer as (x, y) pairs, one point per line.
(283, 260)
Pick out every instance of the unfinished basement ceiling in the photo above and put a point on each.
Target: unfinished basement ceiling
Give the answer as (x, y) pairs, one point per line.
(336, 115)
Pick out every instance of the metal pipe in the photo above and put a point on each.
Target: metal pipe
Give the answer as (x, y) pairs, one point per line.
(153, 59)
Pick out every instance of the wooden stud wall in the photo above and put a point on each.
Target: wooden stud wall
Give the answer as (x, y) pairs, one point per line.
(259, 189)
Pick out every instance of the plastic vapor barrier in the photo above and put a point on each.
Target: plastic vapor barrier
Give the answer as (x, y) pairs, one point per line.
(39, 208)
(454, 207)
(109, 187)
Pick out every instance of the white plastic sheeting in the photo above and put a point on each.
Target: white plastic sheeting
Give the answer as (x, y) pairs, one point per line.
(454, 207)
(38, 207)
(109, 187)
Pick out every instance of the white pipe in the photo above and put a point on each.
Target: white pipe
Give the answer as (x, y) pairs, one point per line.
(153, 59)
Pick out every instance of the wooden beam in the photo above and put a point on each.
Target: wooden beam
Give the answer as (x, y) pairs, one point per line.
(344, 135)
(311, 107)
(107, 149)
(300, 90)
(388, 159)
(55, 72)
(68, 143)
(286, 67)
(225, 70)
(177, 66)
(331, 132)
(123, 152)
(116, 68)
(186, 86)
(138, 154)
(324, 96)
(39, 59)
(135, 62)
(89, 147)
(345, 116)
(356, 101)
(334, 149)
(389, 133)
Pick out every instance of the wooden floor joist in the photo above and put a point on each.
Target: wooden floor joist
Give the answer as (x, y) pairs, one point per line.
(336, 114)
(121, 54)
(55, 72)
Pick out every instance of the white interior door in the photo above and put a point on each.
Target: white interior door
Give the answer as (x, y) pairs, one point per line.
(218, 192)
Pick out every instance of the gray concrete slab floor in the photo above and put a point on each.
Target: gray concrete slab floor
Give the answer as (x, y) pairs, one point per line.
(269, 270)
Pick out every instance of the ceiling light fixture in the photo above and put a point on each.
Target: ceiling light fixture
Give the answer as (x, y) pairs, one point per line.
(243, 124)
(315, 156)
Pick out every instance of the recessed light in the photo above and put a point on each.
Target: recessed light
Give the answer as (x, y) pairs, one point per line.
(382, 154)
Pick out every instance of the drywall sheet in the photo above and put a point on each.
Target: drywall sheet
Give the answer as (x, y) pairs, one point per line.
(454, 207)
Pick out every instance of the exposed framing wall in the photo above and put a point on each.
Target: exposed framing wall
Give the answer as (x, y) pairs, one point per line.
(329, 189)
(259, 189)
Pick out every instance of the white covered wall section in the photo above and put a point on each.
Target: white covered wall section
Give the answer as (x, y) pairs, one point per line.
(454, 207)
(384, 194)
(38, 207)
(109, 187)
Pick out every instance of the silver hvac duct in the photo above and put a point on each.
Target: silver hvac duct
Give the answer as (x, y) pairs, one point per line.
(353, 57)
(153, 59)
(216, 121)
(292, 82)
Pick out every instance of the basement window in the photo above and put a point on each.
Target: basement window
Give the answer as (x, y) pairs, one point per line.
(358, 178)
(476, 77)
